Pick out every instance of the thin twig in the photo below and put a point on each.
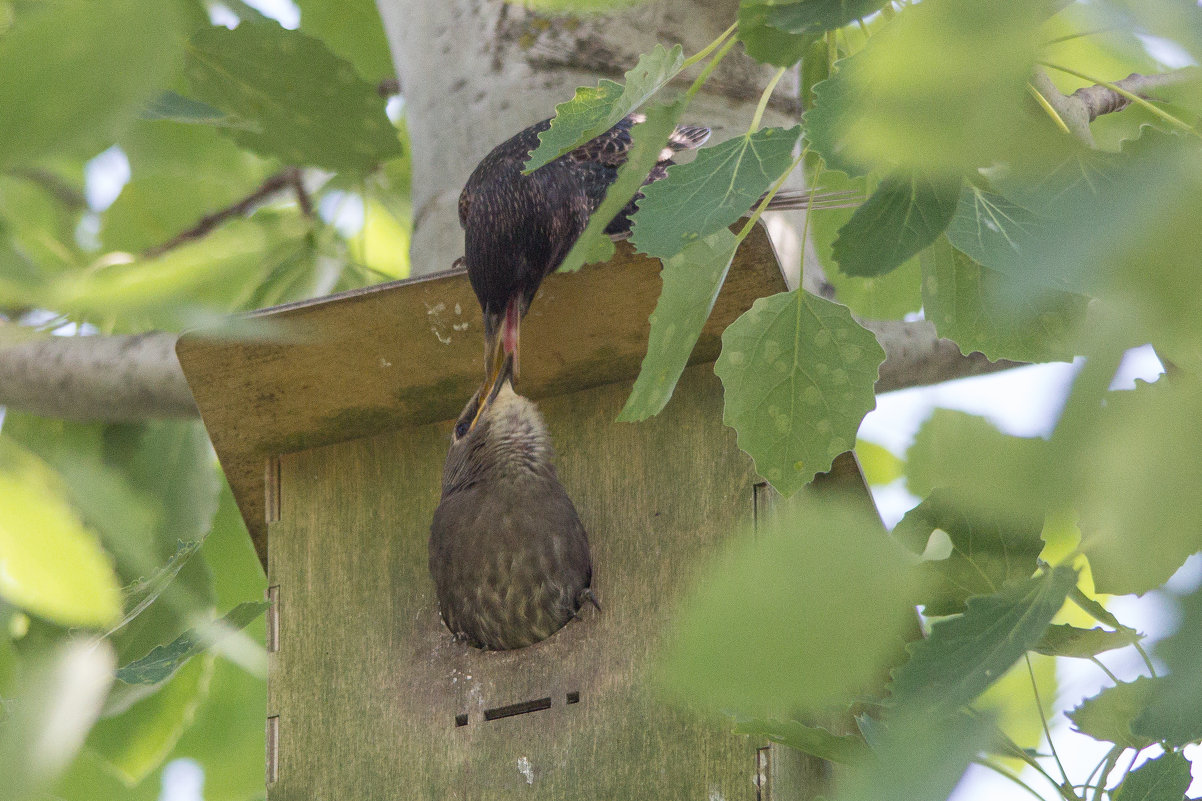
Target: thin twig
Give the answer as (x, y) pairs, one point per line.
(302, 195)
(1078, 110)
(285, 179)
(62, 191)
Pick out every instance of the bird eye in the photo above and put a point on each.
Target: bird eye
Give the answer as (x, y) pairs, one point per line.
(461, 428)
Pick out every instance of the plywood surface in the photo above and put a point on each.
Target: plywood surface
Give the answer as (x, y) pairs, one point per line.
(410, 352)
(367, 683)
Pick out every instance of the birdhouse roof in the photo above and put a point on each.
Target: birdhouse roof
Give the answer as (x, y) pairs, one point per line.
(410, 352)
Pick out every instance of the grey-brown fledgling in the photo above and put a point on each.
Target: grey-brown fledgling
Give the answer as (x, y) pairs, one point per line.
(508, 554)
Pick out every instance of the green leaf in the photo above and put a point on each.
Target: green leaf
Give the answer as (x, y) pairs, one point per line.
(263, 74)
(165, 660)
(798, 374)
(237, 573)
(980, 310)
(813, 740)
(109, 474)
(1152, 511)
(915, 757)
(1174, 715)
(1165, 778)
(992, 475)
(194, 284)
(1169, 715)
(765, 43)
(766, 612)
(75, 76)
(352, 29)
(965, 654)
(948, 108)
(904, 215)
(1121, 228)
(50, 564)
(1107, 716)
(650, 137)
(813, 16)
(879, 465)
(712, 191)
(593, 111)
(988, 227)
(174, 107)
(178, 174)
(135, 742)
(1062, 639)
(881, 297)
(692, 279)
(54, 703)
(986, 554)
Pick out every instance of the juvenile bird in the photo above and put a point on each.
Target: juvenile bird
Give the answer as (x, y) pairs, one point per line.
(508, 554)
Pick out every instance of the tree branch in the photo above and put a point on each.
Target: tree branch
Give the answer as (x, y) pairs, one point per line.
(131, 378)
(285, 179)
(915, 356)
(1088, 103)
(105, 378)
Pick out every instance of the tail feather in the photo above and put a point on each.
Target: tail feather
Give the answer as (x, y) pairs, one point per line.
(687, 137)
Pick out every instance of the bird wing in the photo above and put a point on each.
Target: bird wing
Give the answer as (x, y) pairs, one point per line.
(613, 147)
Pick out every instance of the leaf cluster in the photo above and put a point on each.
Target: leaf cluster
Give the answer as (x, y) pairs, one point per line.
(131, 629)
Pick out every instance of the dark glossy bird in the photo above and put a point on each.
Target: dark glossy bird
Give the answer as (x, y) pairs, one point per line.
(508, 553)
(519, 228)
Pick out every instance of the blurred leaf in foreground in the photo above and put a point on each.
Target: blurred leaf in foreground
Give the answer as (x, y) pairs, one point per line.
(50, 563)
(965, 654)
(805, 615)
(56, 701)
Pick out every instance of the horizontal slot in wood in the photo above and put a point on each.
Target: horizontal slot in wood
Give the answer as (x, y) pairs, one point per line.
(537, 705)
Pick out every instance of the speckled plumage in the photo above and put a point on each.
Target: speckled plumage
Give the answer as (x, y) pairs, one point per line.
(508, 553)
(519, 228)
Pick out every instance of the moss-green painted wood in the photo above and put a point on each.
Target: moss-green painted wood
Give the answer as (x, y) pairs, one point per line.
(367, 682)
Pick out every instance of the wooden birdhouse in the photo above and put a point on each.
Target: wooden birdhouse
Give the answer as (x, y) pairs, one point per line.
(333, 437)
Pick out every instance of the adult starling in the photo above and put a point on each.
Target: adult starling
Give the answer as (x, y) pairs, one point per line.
(508, 554)
(519, 228)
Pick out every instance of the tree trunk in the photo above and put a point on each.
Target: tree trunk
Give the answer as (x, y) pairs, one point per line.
(475, 72)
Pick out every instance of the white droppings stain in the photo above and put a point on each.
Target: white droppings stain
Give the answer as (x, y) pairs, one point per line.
(438, 334)
(458, 310)
(384, 362)
(436, 309)
(527, 770)
(460, 326)
(715, 795)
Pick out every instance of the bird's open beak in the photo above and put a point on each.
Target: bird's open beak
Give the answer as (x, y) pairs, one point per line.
(489, 392)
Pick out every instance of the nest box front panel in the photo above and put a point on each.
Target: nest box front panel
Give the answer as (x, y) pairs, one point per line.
(369, 696)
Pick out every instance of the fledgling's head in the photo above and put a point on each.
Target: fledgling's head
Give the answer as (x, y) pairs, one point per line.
(507, 440)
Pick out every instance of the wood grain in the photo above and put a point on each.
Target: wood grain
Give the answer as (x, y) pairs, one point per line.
(410, 352)
(368, 683)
